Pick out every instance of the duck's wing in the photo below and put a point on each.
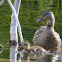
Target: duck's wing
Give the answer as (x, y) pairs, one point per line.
(38, 34)
(57, 36)
(40, 30)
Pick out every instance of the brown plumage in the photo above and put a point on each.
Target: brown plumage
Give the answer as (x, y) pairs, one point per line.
(40, 30)
(48, 39)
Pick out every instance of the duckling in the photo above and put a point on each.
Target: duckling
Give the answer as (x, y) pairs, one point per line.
(48, 39)
(33, 49)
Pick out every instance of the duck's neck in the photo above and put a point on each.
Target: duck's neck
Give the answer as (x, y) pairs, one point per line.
(51, 22)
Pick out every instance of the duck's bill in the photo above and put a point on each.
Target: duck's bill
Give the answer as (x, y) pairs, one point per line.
(42, 18)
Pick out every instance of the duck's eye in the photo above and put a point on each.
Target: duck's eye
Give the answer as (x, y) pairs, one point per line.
(46, 14)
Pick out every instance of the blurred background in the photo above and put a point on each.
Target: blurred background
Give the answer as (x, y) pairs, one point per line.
(30, 11)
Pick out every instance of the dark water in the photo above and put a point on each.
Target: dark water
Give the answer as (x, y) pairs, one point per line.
(30, 11)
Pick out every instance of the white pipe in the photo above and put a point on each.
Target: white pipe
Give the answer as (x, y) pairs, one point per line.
(16, 17)
(1, 2)
(13, 33)
(13, 54)
(13, 49)
(21, 56)
(17, 5)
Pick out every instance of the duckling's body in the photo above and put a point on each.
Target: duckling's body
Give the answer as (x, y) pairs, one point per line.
(33, 49)
(48, 39)
(36, 49)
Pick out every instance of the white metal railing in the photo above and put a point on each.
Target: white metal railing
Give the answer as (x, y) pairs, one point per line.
(13, 28)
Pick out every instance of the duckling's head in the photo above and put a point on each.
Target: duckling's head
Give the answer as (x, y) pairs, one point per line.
(26, 45)
(49, 16)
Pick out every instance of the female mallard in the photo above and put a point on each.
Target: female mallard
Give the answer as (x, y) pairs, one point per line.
(33, 49)
(48, 39)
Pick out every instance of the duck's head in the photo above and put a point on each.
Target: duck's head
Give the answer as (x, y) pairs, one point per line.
(49, 16)
(26, 45)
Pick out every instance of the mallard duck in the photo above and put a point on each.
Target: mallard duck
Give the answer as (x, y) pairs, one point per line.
(48, 39)
(33, 49)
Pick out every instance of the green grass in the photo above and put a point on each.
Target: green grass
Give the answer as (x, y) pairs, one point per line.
(29, 13)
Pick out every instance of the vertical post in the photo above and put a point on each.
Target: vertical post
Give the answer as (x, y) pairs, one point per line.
(13, 35)
(17, 7)
(14, 40)
(13, 30)
(1, 2)
(20, 57)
